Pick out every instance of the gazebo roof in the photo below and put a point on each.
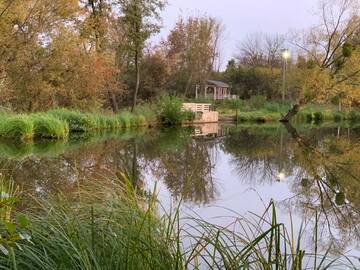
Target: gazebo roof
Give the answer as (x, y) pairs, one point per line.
(218, 83)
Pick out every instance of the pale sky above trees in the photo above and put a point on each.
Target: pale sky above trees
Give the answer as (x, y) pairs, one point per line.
(243, 17)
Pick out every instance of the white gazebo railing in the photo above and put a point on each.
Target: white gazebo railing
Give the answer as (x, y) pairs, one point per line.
(197, 107)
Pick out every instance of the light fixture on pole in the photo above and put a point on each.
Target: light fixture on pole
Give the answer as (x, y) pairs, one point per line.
(285, 55)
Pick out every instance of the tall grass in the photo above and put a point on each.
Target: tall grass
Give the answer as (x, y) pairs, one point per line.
(17, 126)
(49, 127)
(112, 225)
(59, 123)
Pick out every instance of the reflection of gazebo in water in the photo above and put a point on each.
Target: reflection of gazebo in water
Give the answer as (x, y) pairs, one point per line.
(216, 90)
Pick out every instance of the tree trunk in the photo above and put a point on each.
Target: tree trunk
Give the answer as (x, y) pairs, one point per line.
(137, 68)
(293, 111)
(113, 101)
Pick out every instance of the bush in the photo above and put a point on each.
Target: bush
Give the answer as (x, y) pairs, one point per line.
(354, 116)
(257, 102)
(17, 127)
(318, 117)
(48, 127)
(77, 121)
(339, 116)
(170, 110)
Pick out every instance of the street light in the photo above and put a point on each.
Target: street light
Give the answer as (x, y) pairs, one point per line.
(285, 55)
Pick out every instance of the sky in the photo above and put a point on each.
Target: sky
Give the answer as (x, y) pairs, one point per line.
(243, 17)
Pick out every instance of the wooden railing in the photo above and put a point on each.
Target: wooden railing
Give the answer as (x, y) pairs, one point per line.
(197, 107)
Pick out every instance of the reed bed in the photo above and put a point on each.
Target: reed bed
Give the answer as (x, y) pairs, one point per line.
(59, 124)
(109, 224)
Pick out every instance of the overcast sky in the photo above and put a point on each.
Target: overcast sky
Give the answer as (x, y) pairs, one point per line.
(243, 17)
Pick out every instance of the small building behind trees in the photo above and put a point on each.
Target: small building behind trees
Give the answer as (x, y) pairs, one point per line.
(216, 90)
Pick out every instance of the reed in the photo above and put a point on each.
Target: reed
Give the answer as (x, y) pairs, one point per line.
(110, 224)
(17, 126)
(48, 127)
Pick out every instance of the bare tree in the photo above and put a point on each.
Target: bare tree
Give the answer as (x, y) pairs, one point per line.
(259, 49)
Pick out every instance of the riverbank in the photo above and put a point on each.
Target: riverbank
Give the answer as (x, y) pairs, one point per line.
(240, 111)
(59, 124)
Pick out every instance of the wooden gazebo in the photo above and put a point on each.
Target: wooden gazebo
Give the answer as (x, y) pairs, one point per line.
(216, 90)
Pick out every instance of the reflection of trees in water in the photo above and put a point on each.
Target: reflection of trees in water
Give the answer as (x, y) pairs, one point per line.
(329, 177)
(186, 165)
(188, 173)
(78, 165)
(324, 169)
(258, 154)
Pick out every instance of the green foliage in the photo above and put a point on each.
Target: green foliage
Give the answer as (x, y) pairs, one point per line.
(17, 127)
(13, 229)
(77, 121)
(347, 50)
(257, 102)
(49, 127)
(112, 225)
(126, 119)
(109, 228)
(339, 116)
(170, 110)
(258, 116)
(354, 116)
(147, 111)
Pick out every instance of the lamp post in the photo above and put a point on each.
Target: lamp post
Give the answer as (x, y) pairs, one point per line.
(285, 55)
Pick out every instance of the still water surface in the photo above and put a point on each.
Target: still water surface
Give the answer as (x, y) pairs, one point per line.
(216, 170)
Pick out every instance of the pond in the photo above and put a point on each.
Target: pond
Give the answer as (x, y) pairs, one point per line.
(218, 171)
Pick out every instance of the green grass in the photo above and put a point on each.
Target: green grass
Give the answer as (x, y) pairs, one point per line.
(59, 123)
(17, 126)
(110, 224)
(258, 116)
(49, 127)
(77, 121)
(258, 110)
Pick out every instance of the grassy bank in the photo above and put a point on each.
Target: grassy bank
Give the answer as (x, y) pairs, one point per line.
(257, 109)
(112, 225)
(58, 124)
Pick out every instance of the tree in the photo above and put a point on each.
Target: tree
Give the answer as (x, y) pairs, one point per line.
(140, 18)
(259, 50)
(328, 50)
(193, 49)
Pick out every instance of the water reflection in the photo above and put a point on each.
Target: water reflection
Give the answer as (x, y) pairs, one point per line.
(319, 166)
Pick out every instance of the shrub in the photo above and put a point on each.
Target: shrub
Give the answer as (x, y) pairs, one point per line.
(77, 121)
(17, 127)
(170, 110)
(49, 127)
(354, 116)
(339, 116)
(257, 102)
(318, 117)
